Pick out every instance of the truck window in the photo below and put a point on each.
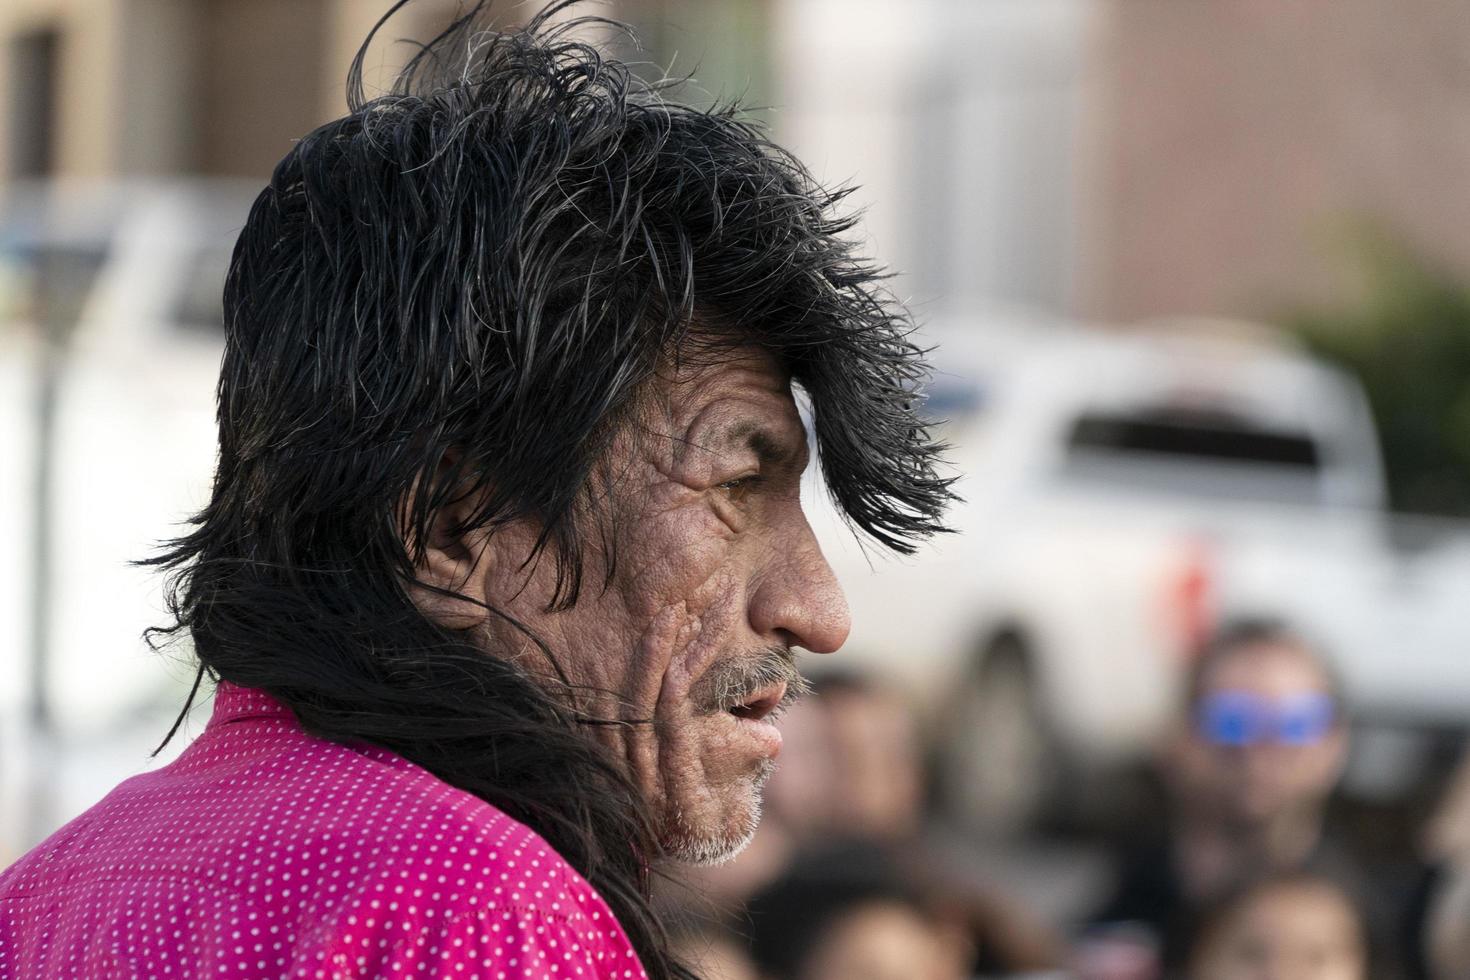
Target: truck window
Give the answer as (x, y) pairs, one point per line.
(1218, 438)
(1195, 454)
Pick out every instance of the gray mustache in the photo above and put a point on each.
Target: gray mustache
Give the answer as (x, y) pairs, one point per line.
(732, 683)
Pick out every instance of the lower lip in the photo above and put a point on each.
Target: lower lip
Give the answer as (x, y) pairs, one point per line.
(765, 736)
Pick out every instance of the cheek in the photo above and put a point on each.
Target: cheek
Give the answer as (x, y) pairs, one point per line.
(685, 559)
(682, 556)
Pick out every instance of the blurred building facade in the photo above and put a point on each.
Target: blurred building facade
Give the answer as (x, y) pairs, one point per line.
(1118, 159)
(1109, 158)
(106, 88)
(1239, 142)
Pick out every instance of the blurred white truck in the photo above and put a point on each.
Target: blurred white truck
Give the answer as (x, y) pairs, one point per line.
(1123, 493)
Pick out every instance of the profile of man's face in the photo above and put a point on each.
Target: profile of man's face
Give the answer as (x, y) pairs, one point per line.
(717, 579)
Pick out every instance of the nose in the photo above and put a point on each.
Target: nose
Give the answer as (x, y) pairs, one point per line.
(798, 598)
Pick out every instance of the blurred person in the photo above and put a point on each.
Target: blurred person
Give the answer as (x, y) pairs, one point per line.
(1442, 934)
(877, 795)
(505, 565)
(846, 913)
(1444, 837)
(877, 758)
(1438, 926)
(1247, 774)
(1287, 927)
(800, 797)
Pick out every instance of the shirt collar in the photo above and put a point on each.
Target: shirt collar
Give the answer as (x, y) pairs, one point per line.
(235, 703)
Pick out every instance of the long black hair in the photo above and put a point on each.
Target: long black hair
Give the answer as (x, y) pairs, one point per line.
(484, 265)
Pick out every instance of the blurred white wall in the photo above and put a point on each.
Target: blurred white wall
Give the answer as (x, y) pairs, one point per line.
(959, 121)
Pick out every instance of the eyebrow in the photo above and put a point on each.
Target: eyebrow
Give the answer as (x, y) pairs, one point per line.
(770, 448)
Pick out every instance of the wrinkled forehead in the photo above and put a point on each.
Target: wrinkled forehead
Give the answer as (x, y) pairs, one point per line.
(737, 395)
(699, 372)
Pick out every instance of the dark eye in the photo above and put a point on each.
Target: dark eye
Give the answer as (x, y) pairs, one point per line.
(738, 488)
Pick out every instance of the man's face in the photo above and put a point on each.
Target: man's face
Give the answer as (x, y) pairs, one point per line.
(717, 579)
(1250, 780)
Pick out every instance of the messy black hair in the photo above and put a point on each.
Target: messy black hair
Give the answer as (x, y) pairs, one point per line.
(456, 292)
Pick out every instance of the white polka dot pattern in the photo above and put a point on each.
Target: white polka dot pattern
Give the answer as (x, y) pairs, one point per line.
(264, 852)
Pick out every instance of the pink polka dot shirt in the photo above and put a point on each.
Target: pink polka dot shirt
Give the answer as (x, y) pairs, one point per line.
(265, 852)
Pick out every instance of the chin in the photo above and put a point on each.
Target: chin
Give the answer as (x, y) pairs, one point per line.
(708, 839)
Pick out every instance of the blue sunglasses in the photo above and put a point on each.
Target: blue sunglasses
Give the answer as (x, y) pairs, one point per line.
(1239, 718)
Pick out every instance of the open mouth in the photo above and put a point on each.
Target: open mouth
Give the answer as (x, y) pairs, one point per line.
(762, 704)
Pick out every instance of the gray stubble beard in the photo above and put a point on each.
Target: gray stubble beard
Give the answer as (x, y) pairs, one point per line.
(682, 844)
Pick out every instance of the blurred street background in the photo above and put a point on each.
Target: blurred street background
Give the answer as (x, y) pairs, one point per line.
(1197, 273)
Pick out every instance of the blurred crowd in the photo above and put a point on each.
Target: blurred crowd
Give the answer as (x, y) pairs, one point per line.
(1240, 861)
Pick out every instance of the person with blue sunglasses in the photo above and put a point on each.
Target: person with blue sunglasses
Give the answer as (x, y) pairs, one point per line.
(1246, 774)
